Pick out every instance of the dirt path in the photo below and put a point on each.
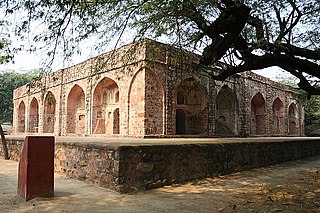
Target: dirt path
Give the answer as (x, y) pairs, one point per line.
(289, 187)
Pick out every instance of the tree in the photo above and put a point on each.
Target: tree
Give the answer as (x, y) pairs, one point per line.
(6, 54)
(311, 106)
(247, 35)
(9, 81)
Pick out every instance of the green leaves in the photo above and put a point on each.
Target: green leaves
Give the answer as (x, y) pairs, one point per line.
(9, 81)
(218, 29)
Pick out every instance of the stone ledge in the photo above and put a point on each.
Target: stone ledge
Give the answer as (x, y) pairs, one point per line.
(146, 164)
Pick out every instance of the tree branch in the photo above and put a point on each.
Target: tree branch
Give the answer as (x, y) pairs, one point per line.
(258, 25)
(4, 144)
(295, 66)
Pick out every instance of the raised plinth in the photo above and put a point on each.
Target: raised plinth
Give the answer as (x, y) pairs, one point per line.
(36, 168)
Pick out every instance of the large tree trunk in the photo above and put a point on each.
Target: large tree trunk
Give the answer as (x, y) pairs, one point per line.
(4, 144)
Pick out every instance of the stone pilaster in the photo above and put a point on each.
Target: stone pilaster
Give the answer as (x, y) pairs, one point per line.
(170, 103)
(211, 107)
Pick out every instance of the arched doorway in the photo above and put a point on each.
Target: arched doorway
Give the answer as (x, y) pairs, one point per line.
(191, 108)
(105, 101)
(49, 113)
(293, 121)
(34, 116)
(76, 111)
(21, 117)
(226, 112)
(116, 121)
(278, 113)
(258, 115)
(180, 122)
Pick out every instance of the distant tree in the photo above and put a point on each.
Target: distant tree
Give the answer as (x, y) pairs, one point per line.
(311, 106)
(247, 35)
(10, 80)
(6, 53)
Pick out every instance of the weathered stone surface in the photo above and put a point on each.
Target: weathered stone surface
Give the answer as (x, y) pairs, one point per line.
(149, 89)
(144, 167)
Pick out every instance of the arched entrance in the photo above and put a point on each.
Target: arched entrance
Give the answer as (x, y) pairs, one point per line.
(191, 108)
(49, 113)
(258, 115)
(76, 111)
(277, 117)
(21, 117)
(34, 116)
(105, 102)
(226, 112)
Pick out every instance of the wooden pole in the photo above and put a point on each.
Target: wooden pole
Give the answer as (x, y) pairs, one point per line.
(4, 144)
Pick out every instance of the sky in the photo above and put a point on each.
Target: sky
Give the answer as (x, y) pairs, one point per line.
(25, 61)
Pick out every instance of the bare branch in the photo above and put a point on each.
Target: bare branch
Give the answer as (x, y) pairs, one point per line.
(258, 24)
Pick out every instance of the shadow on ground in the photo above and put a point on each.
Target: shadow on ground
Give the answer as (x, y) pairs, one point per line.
(289, 187)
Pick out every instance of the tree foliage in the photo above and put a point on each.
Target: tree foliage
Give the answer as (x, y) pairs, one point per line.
(311, 105)
(5, 51)
(247, 35)
(9, 81)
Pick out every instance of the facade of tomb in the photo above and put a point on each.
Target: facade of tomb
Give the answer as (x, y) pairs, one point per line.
(149, 89)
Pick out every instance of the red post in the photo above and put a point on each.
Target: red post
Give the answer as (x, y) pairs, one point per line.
(36, 168)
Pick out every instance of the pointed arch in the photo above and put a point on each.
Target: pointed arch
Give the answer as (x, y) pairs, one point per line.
(34, 116)
(226, 112)
(154, 104)
(191, 108)
(49, 113)
(293, 119)
(258, 115)
(105, 101)
(277, 117)
(136, 111)
(21, 117)
(76, 110)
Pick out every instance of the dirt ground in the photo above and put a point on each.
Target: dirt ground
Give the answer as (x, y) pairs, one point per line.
(289, 187)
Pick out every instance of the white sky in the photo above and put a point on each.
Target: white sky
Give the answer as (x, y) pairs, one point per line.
(25, 61)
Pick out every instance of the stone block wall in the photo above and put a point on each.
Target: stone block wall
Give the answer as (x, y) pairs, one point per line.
(148, 88)
(14, 149)
(130, 168)
(94, 163)
(147, 167)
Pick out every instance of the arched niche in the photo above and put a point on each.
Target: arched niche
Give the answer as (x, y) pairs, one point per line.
(258, 115)
(293, 120)
(226, 112)
(34, 116)
(191, 108)
(49, 113)
(21, 117)
(278, 114)
(136, 104)
(76, 110)
(154, 104)
(180, 122)
(116, 121)
(105, 101)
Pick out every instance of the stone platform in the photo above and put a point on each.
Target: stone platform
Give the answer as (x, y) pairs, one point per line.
(130, 164)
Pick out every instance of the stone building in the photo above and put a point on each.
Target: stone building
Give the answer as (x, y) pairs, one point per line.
(151, 89)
